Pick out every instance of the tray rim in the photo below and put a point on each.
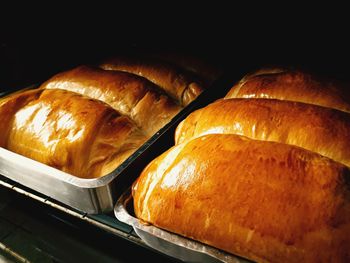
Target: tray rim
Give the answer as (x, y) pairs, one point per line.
(96, 188)
(107, 178)
(53, 172)
(87, 182)
(91, 219)
(123, 215)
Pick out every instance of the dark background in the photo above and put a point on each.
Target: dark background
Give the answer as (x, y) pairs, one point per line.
(31, 52)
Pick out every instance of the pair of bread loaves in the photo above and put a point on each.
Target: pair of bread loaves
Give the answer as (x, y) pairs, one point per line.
(87, 121)
(263, 173)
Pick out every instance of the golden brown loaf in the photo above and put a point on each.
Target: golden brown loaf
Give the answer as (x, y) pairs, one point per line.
(276, 196)
(266, 201)
(319, 129)
(178, 83)
(131, 95)
(9, 106)
(207, 72)
(294, 86)
(60, 124)
(68, 131)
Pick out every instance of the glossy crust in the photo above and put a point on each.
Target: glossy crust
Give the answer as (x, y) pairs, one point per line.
(293, 85)
(176, 82)
(207, 72)
(319, 129)
(129, 94)
(266, 201)
(70, 132)
(9, 105)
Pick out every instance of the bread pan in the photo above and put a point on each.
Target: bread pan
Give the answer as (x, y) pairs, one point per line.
(168, 243)
(98, 195)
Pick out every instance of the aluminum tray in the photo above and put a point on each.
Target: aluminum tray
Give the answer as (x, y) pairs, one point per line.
(93, 196)
(106, 222)
(99, 195)
(168, 243)
(88, 195)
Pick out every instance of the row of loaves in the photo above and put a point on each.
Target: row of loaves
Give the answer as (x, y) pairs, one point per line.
(88, 120)
(262, 173)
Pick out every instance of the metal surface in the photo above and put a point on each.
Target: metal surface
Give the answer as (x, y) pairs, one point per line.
(44, 231)
(169, 243)
(98, 195)
(104, 222)
(93, 196)
(88, 195)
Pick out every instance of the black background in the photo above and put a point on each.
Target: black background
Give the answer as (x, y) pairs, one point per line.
(34, 49)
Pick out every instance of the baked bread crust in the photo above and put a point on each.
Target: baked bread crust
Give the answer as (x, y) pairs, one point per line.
(293, 85)
(134, 96)
(178, 83)
(68, 131)
(322, 130)
(265, 201)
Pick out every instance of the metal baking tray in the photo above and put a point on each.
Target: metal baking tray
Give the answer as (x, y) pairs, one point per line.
(106, 222)
(99, 195)
(168, 243)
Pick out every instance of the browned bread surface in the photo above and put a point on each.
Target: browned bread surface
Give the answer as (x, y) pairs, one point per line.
(68, 131)
(266, 201)
(9, 105)
(129, 94)
(319, 129)
(293, 85)
(196, 65)
(176, 82)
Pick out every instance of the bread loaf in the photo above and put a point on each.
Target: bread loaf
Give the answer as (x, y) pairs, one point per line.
(265, 201)
(67, 124)
(176, 82)
(131, 95)
(319, 129)
(293, 85)
(9, 106)
(70, 132)
(207, 72)
(281, 195)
